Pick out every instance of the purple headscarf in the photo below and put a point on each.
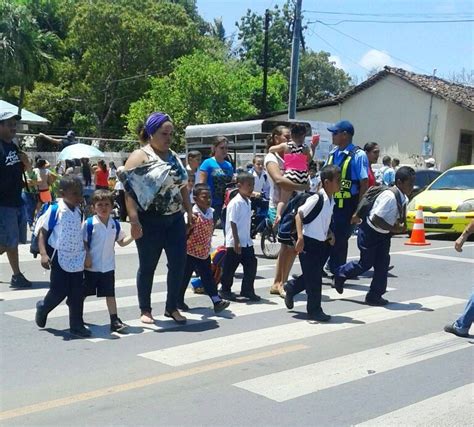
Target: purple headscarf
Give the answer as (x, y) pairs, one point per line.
(154, 122)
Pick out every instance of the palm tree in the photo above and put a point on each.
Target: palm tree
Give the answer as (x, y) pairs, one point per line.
(25, 50)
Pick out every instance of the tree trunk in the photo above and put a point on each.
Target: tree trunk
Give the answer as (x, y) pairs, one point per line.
(22, 99)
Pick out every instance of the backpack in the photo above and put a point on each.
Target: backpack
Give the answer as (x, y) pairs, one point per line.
(287, 226)
(367, 202)
(90, 228)
(217, 263)
(53, 219)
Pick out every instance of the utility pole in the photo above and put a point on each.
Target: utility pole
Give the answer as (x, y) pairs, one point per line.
(265, 63)
(295, 50)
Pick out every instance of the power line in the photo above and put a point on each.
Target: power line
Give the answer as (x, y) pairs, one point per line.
(373, 47)
(409, 14)
(393, 22)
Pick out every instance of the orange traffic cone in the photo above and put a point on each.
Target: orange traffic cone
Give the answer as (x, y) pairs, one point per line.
(418, 233)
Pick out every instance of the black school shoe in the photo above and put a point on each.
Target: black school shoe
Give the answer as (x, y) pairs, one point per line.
(228, 295)
(82, 332)
(376, 302)
(41, 316)
(338, 283)
(319, 316)
(288, 298)
(118, 326)
(20, 281)
(252, 296)
(221, 305)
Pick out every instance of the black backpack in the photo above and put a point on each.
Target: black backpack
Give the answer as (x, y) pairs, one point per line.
(287, 227)
(367, 202)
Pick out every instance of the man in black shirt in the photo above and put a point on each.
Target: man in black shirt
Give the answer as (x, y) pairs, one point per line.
(12, 219)
(70, 139)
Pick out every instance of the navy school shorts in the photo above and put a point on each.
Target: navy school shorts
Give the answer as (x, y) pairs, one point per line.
(100, 284)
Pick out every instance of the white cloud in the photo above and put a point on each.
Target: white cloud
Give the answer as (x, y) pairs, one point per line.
(337, 61)
(378, 59)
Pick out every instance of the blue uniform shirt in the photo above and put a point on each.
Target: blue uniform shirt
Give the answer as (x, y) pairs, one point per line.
(359, 165)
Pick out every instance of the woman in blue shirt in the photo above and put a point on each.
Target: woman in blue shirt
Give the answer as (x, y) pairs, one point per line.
(217, 172)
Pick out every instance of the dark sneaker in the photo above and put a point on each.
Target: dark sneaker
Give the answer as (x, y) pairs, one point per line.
(376, 302)
(228, 295)
(40, 317)
(251, 296)
(338, 284)
(288, 298)
(319, 316)
(118, 326)
(182, 306)
(20, 281)
(221, 305)
(452, 330)
(82, 332)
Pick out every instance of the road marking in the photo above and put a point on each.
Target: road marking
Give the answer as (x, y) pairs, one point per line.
(442, 257)
(468, 245)
(448, 409)
(121, 388)
(159, 280)
(224, 346)
(102, 332)
(304, 380)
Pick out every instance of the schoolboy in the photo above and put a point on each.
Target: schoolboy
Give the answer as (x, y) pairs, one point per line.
(199, 248)
(387, 217)
(238, 242)
(312, 245)
(100, 233)
(193, 161)
(64, 253)
(261, 186)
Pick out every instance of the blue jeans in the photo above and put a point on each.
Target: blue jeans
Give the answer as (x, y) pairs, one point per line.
(465, 320)
(312, 261)
(374, 252)
(160, 232)
(342, 229)
(203, 268)
(29, 203)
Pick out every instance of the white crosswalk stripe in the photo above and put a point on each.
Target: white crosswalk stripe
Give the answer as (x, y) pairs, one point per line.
(231, 344)
(446, 409)
(293, 383)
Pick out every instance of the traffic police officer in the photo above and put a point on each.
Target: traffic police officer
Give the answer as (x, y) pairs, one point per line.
(354, 167)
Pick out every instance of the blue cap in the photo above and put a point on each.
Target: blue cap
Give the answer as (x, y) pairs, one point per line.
(342, 126)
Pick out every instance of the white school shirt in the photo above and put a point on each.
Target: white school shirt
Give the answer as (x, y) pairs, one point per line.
(318, 228)
(385, 207)
(261, 183)
(239, 212)
(274, 189)
(66, 237)
(103, 242)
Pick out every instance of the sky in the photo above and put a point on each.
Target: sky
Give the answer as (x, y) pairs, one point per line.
(359, 47)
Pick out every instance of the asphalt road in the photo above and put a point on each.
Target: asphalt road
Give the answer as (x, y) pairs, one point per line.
(255, 364)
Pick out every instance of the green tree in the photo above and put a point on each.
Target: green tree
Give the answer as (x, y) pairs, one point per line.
(205, 89)
(26, 51)
(319, 78)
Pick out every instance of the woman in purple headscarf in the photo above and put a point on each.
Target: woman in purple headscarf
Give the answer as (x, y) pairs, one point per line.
(156, 197)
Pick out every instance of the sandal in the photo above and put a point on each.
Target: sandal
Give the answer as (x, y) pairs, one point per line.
(176, 316)
(147, 318)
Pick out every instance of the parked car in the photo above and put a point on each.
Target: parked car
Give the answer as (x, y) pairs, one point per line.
(424, 177)
(448, 202)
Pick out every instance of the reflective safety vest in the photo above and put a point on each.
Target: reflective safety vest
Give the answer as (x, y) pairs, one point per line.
(346, 180)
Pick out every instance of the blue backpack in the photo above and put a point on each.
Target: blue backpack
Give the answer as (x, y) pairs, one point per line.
(90, 228)
(53, 219)
(287, 226)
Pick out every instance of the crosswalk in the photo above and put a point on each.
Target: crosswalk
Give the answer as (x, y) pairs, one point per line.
(191, 351)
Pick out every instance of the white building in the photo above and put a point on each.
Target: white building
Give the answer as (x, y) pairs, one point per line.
(411, 116)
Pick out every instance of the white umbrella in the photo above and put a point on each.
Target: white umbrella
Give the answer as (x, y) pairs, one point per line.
(79, 151)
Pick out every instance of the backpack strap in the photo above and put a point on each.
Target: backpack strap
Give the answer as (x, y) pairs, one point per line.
(117, 229)
(53, 217)
(398, 198)
(89, 229)
(318, 207)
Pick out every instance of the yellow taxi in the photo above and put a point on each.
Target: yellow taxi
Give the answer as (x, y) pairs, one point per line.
(448, 202)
